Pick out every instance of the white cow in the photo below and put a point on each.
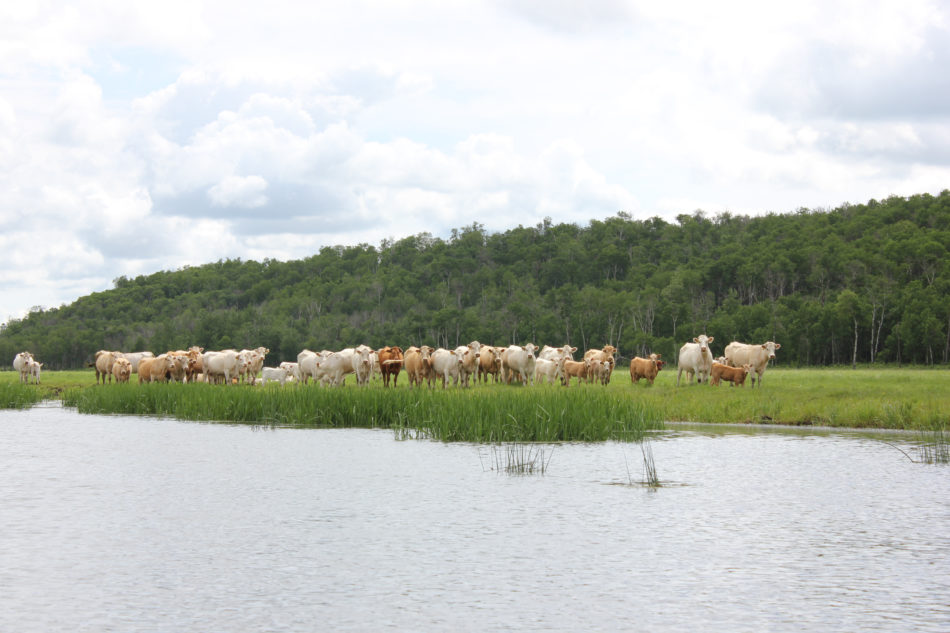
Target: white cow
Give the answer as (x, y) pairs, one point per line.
(21, 365)
(134, 358)
(553, 353)
(294, 369)
(33, 370)
(227, 364)
(695, 359)
(280, 374)
(469, 365)
(255, 361)
(447, 364)
(332, 368)
(550, 369)
(307, 363)
(758, 356)
(520, 360)
(374, 368)
(361, 363)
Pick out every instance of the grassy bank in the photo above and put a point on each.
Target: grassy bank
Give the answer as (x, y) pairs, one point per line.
(904, 398)
(892, 398)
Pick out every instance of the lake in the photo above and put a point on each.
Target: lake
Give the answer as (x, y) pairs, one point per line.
(117, 523)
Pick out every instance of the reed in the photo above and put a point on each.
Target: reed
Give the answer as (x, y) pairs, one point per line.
(474, 415)
(650, 478)
(14, 395)
(934, 444)
(520, 459)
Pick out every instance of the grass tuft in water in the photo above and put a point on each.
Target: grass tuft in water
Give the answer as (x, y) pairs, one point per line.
(520, 459)
(650, 477)
(934, 445)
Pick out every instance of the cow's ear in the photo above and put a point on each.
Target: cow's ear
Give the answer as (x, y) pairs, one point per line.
(778, 346)
(695, 340)
(573, 349)
(711, 339)
(659, 356)
(763, 346)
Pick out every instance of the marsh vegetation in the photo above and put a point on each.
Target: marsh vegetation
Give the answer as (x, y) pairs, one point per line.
(914, 399)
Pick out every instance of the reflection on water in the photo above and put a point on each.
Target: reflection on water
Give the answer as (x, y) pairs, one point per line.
(121, 523)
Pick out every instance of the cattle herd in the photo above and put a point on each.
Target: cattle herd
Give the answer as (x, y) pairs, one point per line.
(465, 365)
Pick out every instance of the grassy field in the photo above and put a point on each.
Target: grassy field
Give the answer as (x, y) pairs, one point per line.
(892, 398)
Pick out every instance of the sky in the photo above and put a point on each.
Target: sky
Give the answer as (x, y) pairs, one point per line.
(145, 136)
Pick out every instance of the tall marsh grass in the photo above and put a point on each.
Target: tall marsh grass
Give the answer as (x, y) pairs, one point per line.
(889, 398)
(14, 395)
(473, 415)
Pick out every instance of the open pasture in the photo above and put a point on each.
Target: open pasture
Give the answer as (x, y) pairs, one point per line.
(891, 398)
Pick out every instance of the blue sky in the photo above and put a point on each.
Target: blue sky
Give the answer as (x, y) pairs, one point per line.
(137, 136)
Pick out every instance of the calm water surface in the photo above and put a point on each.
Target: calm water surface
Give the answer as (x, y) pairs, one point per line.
(111, 523)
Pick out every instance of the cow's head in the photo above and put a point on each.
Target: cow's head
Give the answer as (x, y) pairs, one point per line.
(703, 341)
(770, 347)
(532, 349)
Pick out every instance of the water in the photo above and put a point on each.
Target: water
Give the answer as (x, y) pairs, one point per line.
(113, 523)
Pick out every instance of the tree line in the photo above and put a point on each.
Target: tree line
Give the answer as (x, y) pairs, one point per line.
(861, 283)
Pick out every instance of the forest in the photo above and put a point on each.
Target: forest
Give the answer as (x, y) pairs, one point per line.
(857, 284)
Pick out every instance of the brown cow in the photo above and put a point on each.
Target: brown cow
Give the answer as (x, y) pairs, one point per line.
(193, 365)
(416, 361)
(155, 369)
(599, 371)
(178, 369)
(390, 363)
(103, 364)
(600, 354)
(608, 369)
(577, 368)
(735, 375)
(645, 368)
(489, 363)
(121, 369)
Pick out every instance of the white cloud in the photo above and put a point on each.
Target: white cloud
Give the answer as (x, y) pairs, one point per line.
(235, 191)
(144, 136)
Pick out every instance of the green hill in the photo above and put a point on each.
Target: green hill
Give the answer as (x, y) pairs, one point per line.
(860, 282)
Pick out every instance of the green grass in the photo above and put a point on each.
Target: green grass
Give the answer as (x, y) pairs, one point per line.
(891, 398)
(474, 415)
(14, 395)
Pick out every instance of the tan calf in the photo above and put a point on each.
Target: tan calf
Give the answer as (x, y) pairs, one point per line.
(121, 370)
(577, 369)
(735, 375)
